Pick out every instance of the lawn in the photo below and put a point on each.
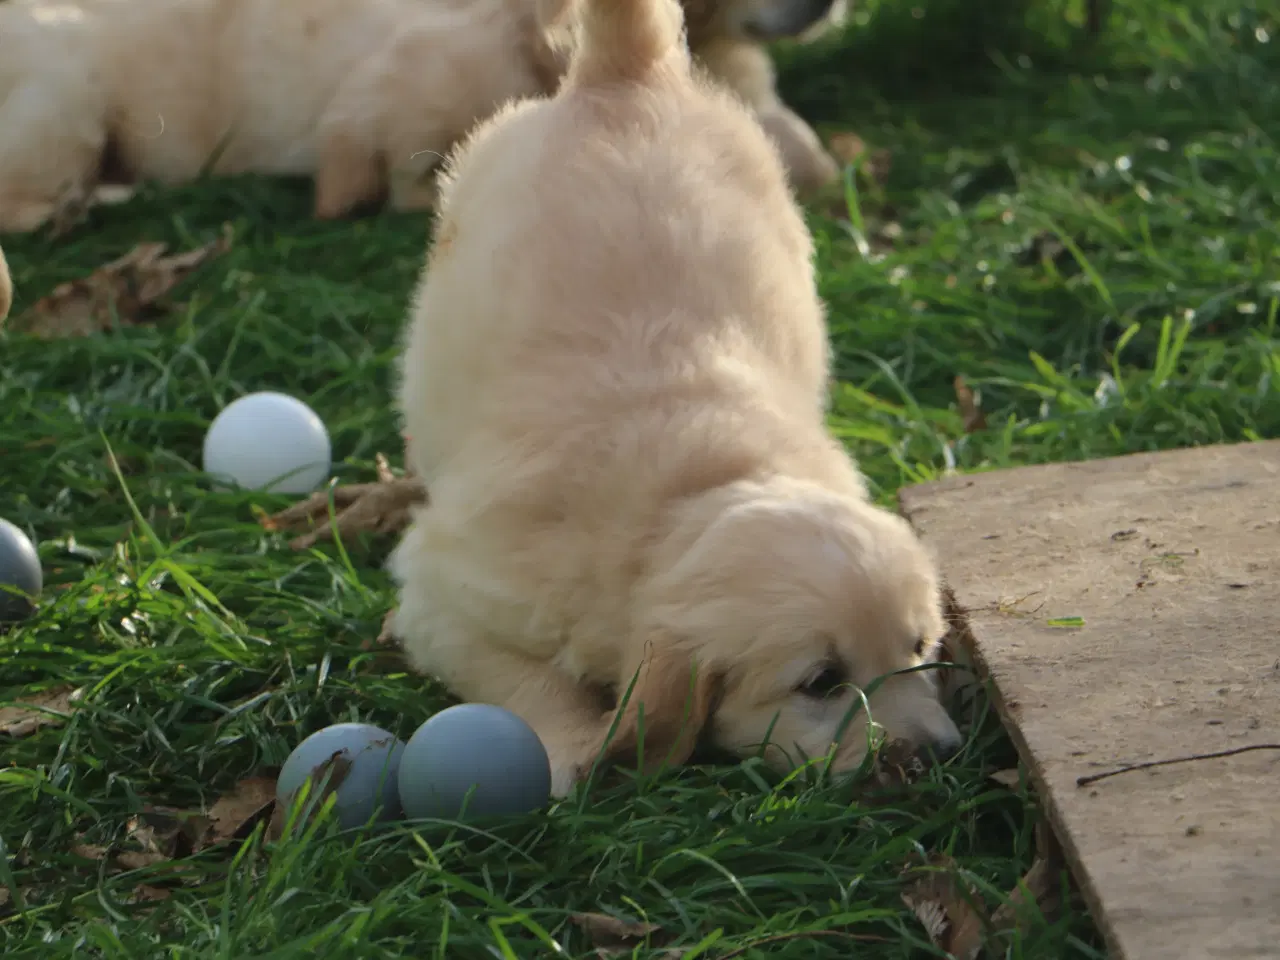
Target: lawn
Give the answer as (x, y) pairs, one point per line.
(1087, 233)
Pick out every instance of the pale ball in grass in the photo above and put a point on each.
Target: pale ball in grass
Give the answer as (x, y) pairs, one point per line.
(268, 441)
(363, 762)
(21, 578)
(477, 756)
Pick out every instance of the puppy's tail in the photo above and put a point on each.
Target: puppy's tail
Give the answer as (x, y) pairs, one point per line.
(624, 41)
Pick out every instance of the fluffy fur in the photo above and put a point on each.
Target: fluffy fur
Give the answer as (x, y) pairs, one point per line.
(614, 388)
(366, 95)
(728, 40)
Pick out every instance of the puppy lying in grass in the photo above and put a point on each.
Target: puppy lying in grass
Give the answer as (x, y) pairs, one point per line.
(364, 95)
(614, 387)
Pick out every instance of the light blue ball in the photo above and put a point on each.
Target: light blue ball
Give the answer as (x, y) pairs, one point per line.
(370, 783)
(474, 745)
(20, 571)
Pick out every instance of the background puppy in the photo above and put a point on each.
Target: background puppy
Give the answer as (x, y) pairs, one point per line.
(728, 39)
(366, 95)
(614, 387)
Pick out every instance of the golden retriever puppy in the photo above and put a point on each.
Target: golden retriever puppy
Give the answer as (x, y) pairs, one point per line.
(613, 385)
(365, 95)
(6, 287)
(728, 40)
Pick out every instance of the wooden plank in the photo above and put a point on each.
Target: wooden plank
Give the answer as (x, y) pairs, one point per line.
(1173, 561)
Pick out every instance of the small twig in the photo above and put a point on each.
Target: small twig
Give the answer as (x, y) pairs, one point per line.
(803, 935)
(1095, 777)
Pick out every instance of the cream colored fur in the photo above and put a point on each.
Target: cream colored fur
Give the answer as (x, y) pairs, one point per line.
(614, 387)
(366, 95)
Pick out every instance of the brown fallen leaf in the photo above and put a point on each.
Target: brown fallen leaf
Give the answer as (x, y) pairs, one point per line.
(603, 928)
(850, 148)
(1041, 886)
(612, 933)
(898, 764)
(169, 831)
(127, 290)
(951, 911)
(232, 816)
(89, 851)
(137, 859)
(970, 406)
(1010, 778)
(145, 893)
(381, 507)
(326, 777)
(76, 201)
(48, 708)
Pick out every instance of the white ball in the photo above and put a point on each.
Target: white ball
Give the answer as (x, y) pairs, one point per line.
(265, 437)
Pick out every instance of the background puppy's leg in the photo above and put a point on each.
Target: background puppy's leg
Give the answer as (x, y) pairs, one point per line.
(809, 166)
(351, 167)
(350, 175)
(745, 68)
(51, 145)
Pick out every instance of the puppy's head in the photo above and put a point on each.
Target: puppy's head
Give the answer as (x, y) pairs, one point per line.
(759, 20)
(783, 604)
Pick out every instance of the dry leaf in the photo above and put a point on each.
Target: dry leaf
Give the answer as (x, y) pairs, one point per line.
(970, 406)
(382, 507)
(76, 201)
(609, 933)
(137, 859)
(1010, 778)
(169, 831)
(850, 148)
(898, 763)
(89, 851)
(1041, 885)
(233, 815)
(327, 776)
(124, 290)
(950, 910)
(144, 893)
(46, 709)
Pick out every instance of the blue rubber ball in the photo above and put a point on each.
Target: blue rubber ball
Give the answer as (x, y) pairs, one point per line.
(475, 753)
(19, 571)
(369, 783)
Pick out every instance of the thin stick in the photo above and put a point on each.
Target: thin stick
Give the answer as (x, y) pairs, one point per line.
(803, 935)
(1095, 777)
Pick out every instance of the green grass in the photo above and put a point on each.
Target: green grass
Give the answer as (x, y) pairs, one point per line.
(208, 650)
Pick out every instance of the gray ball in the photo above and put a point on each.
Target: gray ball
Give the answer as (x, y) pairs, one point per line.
(20, 570)
(474, 745)
(370, 781)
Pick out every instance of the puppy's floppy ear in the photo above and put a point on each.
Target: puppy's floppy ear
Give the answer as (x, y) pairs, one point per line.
(350, 175)
(670, 703)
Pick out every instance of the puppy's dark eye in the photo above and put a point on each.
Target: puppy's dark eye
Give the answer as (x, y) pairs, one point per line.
(921, 645)
(825, 681)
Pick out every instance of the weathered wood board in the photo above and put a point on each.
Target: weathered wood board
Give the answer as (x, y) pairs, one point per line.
(1173, 562)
